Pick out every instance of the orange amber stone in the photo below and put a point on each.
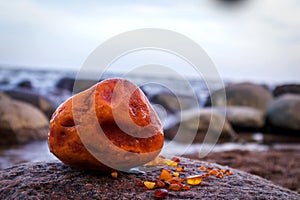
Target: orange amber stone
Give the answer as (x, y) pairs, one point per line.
(165, 175)
(114, 174)
(194, 180)
(175, 159)
(161, 194)
(205, 175)
(222, 170)
(160, 184)
(180, 169)
(185, 187)
(228, 172)
(213, 172)
(176, 180)
(219, 175)
(139, 183)
(175, 187)
(202, 168)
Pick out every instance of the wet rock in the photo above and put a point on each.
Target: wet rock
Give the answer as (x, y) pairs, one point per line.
(197, 123)
(21, 123)
(33, 97)
(25, 84)
(66, 83)
(53, 180)
(286, 89)
(174, 103)
(284, 112)
(245, 117)
(242, 94)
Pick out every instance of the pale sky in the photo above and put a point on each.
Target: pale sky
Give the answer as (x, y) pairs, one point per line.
(257, 40)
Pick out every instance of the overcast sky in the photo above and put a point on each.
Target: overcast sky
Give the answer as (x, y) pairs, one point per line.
(257, 40)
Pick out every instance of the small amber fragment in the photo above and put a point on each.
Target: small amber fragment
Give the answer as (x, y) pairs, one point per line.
(219, 175)
(194, 180)
(202, 168)
(176, 180)
(170, 163)
(175, 187)
(180, 169)
(139, 183)
(150, 185)
(175, 159)
(114, 174)
(228, 172)
(176, 174)
(213, 172)
(222, 170)
(185, 187)
(206, 175)
(165, 175)
(161, 193)
(160, 184)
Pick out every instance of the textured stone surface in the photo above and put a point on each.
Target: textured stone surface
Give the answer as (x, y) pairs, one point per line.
(242, 94)
(246, 117)
(34, 98)
(54, 180)
(284, 112)
(21, 122)
(197, 123)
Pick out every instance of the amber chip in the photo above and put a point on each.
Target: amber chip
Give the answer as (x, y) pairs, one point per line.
(161, 193)
(175, 159)
(175, 187)
(165, 175)
(219, 175)
(228, 172)
(114, 174)
(180, 169)
(194, 180)
(213, 172)
(150, 185)
(203, 168)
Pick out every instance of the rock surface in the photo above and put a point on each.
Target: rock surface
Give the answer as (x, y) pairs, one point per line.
(284, 112)
(197, 123)
(34, 98)
(54, 180)
(282, 167)
(21, 122)
(174, 103)
(242, 94)
(286, 89)
(245, 117)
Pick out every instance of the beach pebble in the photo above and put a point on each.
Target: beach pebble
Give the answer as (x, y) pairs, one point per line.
(284, 112)
(65, 83)
(242, 94)
(245, 117)
(45, 104)
(21, 122)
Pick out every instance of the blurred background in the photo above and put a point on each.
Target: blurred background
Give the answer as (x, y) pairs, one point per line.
(254, 44)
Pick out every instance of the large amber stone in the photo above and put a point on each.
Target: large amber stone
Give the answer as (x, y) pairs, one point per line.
(108, 126)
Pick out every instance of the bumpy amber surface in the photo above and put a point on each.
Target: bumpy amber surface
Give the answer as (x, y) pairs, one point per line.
(110, 125)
